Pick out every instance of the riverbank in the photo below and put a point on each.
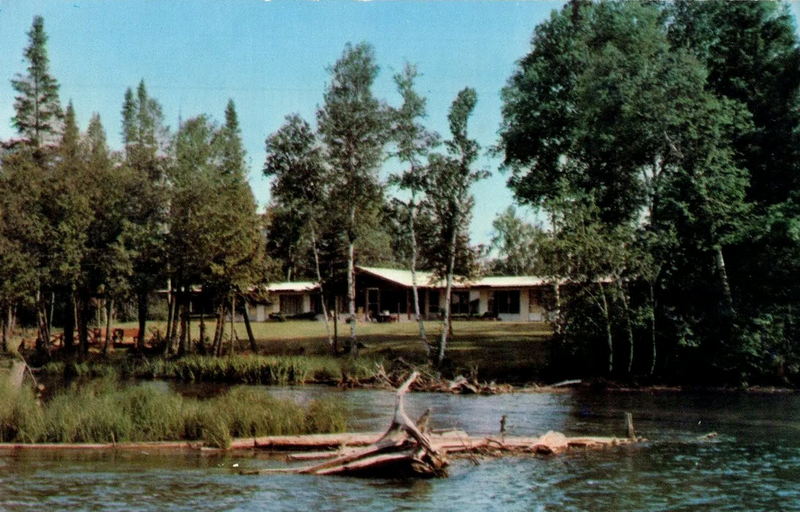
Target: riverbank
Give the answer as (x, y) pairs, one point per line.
(296, 352)
(752, 465)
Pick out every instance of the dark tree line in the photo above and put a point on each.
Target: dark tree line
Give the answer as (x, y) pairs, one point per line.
(84, 228)
(661, 143)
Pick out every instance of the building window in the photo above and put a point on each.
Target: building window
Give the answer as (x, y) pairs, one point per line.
(459, 303)
(291, 304)
(537, 298)
(505, 301)
(433, 297)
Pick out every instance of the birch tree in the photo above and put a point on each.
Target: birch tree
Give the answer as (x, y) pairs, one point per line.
(352, 125)
(413, 143)
(301, 185)
(450, 177)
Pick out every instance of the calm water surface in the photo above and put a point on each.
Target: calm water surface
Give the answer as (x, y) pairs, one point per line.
(754, 463)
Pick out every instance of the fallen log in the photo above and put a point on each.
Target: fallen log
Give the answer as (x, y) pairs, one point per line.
(405, 450)
(126, 446)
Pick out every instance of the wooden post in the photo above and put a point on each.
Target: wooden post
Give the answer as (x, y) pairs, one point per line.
(250, 336)
(629, 426)
(335, 325)
(109, 311)
(202, 330)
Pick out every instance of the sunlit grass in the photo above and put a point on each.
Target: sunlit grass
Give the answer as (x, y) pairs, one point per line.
(106, 411)
(237, 369)
(296, 352)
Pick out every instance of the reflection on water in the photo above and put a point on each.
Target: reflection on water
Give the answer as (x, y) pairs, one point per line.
(754, 463)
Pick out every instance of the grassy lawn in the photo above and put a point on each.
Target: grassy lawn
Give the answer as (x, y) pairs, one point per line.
(502, 351)
(497, 350)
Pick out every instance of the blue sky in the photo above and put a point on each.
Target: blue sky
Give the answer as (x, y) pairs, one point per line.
(271, 58)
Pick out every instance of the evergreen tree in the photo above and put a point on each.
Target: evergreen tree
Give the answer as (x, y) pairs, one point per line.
(144, 137)
(240, 262)
(68, 211)
(22, 228)
(37, 119)
(107, 266)
(37, 106)
(213, 235)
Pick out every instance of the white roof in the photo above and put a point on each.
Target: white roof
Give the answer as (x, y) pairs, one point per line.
(293, 286)
(509, 282)
(427, 280)
(403, 277)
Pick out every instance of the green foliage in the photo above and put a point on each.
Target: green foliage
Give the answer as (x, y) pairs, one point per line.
(516, 243)
(21, 416)
(352, 124)
(254, 369)
(751, 52)
(640, 112)
(213, 236)
(447, 188)
(449, 202)
(301, 189)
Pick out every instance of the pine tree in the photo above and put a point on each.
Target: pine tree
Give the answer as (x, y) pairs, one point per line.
(144, 137)
(38, 109)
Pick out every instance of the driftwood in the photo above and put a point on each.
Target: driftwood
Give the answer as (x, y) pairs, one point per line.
(407, 449)
(403, 450)
(428, 380)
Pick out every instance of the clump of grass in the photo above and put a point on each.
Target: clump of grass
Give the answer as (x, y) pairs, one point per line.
(21, 415)
(246, 369)
(85, 416)
(71, 369)
(104, 410)
(324, 416)
(236, 369)
(215, 432)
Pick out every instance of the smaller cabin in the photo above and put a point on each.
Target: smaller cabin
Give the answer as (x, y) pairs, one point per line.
(289, 299)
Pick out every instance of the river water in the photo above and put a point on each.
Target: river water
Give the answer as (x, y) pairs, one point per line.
(752, 464)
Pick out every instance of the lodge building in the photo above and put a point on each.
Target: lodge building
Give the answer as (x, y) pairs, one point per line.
(384, 294)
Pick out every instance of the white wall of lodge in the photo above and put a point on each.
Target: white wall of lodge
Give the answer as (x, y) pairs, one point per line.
(282, 303)
(509, 304)
(531, 307)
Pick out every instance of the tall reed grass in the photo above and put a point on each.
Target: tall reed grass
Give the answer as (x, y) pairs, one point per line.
(104, 410)
(238, 369)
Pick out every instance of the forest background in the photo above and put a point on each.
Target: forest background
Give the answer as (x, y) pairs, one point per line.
(656, 142)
